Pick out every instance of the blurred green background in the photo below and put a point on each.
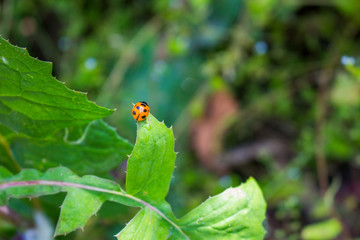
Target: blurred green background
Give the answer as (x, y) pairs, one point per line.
(262, 88)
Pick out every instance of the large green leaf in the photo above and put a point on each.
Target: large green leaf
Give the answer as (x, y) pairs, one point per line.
(33, 102)
(151, 163)
(84, 198)
(97, 148)
(78, 206)
(236, 213)
(146, 225)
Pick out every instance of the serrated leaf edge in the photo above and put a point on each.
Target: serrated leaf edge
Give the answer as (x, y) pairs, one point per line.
(49, 69)
(91, 188)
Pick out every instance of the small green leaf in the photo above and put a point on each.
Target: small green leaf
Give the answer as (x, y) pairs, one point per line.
(4, 173)
(33, 102)
(79, 205)
(236, 213)
(325, 230)
(151, 164)
(146, 225)
(85, 194)
(98, 148)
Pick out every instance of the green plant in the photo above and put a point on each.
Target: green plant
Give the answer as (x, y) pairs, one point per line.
(42, 119)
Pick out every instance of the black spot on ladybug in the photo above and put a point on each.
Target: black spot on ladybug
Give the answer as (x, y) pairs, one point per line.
(143, 117)
(134, 112)
(142, 104)
(145, 110)
(137, 107)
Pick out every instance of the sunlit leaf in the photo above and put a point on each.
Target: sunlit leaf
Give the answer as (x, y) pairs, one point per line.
(236, 213)
(33, 102)
(354, 70)
(146, 225)
(325, 230)
(345, 91)
(151, 164)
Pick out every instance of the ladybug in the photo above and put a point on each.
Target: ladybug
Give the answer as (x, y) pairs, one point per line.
(140, 111)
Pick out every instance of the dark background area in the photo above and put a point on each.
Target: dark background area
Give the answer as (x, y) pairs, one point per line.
(265, 88)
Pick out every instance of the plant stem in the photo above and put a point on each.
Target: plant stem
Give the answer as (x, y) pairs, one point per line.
(9, 160)
(11, 216)
(91, 188)
(322, 105)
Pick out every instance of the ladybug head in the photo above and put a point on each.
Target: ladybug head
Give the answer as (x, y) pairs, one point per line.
(144, 103)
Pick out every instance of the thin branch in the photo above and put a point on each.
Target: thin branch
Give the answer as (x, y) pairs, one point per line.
(322, 106)
(13, 217)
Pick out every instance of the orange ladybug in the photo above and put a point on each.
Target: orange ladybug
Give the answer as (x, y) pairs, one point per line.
(140, 111)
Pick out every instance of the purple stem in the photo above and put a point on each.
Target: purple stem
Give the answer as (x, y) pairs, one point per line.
(90, 188)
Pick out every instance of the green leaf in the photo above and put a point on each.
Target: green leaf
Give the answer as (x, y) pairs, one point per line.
(354, 70)
(260, 11)
(4, 173)
(236, 213)
(33, 102)
(85, 194)
(146, 225)
(151, 164)
(325, 230)
(98, 148)
(78, 206)
(345, 91)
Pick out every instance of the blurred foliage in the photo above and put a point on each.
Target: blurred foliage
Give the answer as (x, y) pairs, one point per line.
(328, 229)
(292, 67)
